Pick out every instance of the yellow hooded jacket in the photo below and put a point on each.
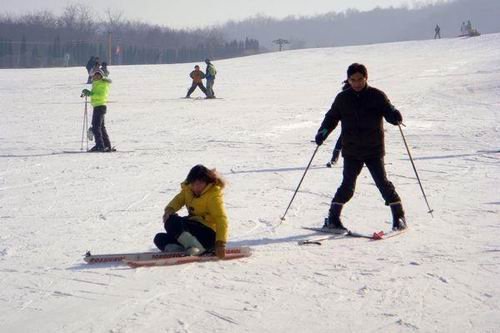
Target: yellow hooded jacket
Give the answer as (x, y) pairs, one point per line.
(207, 209)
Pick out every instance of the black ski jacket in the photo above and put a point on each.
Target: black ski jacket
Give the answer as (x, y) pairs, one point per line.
(361, 115)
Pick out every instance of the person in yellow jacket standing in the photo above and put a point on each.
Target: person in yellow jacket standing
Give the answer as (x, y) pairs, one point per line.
(98, 99)
(205, 228)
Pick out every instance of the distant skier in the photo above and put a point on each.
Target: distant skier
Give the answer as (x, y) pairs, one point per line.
(468, 28)
(205, 228)
(210, 76)
(89, 67)
(105, 70)
(98, 99)
(95, 67)
(437, 32)
(197, 75)
(338, 146)
(463, 29)
(360, 111)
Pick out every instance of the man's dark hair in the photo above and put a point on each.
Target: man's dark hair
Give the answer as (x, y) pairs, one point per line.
(357, 68)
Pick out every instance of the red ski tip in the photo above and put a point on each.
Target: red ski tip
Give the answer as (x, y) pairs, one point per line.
(378, 235)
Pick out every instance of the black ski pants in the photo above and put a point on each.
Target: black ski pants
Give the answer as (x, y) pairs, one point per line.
(176, 225)
(99, 128)
(352, 168)
(337, 149)
(193, 87)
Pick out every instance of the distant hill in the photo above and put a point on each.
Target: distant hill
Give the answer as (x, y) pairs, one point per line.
(376, 26)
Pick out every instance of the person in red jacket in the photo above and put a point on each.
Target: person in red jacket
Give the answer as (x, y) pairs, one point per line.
(197, 75)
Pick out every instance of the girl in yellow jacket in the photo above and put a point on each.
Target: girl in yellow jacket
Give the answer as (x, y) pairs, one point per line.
(205, 228)
(99, 99)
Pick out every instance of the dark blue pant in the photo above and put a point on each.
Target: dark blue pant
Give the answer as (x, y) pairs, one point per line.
(99, 128)
(210, 88)
(176, 225)
(353, 167)
(193, 87)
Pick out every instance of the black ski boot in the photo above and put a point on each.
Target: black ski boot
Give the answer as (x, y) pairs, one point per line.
(335, 158)
(398, 216)
(97, 149)
(333, 221)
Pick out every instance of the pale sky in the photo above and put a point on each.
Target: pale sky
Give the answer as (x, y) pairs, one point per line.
(200, 13)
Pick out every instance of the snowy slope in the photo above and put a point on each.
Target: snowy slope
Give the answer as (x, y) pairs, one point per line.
(442, 276)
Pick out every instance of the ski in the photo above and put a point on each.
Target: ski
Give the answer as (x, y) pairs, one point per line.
(231, 253)
(379, 235)
(119, 257)
(138, 256)
(384, 235)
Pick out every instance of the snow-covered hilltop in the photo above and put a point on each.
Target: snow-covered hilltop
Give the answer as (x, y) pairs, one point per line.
(441, 276)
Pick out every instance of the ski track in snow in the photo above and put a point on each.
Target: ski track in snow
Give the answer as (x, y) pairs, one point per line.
(441, 276)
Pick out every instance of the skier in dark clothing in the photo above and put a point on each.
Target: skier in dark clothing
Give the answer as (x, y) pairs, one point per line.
(96, 65)
(437, 32)
(361, 110)
(89, 66)
(197, 75)
(104, 68)
(338, 146)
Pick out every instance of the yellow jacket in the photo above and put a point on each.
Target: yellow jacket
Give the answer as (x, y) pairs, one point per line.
(207, 209)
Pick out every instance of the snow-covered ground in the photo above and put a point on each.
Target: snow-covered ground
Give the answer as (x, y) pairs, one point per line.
(442, 276)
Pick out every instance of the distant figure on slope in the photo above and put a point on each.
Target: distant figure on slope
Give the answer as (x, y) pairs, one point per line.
(360, 110)
(96, 67)
(210, 76)
(463, 29)
(197, 75)
(468, 28)
(89, 66)
(205, 228)
(437, 32)
(98, 99)
(338, 146)
(104, 68)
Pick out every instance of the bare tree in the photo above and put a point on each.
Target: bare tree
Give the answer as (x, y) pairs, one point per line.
(281, 42)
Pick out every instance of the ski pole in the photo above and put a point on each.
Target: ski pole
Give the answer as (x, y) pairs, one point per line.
(85, 125)
(415, 169)
(298, 186)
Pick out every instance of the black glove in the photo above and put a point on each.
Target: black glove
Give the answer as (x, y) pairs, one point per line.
(321, 136)
(398, 117)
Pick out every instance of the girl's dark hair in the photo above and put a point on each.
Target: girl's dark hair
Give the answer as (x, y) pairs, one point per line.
(201, 172)
(357, 68)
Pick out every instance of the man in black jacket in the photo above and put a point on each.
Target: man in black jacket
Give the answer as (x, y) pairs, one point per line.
(361, 110)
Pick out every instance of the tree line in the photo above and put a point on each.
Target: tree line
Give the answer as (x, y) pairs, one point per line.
(42, 39)
(379, 25)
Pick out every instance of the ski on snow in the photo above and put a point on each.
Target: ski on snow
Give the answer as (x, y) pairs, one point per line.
(333, 234)
(148, 256)
(231, 253)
